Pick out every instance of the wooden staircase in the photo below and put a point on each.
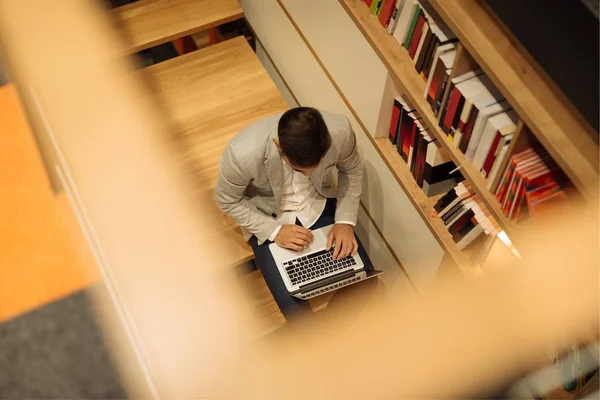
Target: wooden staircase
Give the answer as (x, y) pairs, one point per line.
(148, 23)
(210, 95)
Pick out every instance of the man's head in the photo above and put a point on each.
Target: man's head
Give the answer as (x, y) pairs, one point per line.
(303, 138)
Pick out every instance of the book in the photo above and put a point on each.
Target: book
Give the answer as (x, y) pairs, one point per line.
(395, 16)
(368, 2)
(425, 35)
(454, 213)
(418, 32)
(405, 17)
(466, 112)
(385, 15)
(417, 128)
(456, 101)
(376, 6)
(405, 129)
(443, 70)
(445, 200)
(436, 174)
(482, 118)
(534, 178)
(434, 43)
(467, 235)
(518, 194)
(413, 25)
(452, 202)
(442, 104)
(463, 208)
(495, 175)
(430, 91)
(413, 136)
(504, 124)
(479, 93)
(396, 112)
(508, 173)
(461, 222)
(424, 47)
(425, 141)
(512, 197)
(497, 144)
(445, 33)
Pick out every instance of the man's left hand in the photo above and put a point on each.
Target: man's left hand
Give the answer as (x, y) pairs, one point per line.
(345, 241)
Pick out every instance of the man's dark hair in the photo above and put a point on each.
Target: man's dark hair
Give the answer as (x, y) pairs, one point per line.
(303, 136)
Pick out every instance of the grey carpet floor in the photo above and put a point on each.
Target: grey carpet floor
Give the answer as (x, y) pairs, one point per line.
(57, 351)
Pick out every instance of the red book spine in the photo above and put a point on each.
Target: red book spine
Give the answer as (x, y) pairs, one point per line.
(506, 181)
(368, 2)
(435, 82)
(451, 110)
(416, 37)
(405, 131)
(395, 117)
(464, 142)
(489, 160)
(387, 9)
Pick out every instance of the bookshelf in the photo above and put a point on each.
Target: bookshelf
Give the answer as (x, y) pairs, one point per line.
(549, 115)
(402, 71)
(483, 43)
(422, 203)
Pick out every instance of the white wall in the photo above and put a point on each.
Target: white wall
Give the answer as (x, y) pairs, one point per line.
(326, 26)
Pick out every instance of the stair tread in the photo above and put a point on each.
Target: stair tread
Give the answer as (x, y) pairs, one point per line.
(147, 23)
(212, 94)
(265, 312)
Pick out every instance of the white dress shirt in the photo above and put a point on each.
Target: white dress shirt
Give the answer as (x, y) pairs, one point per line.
(299, 199)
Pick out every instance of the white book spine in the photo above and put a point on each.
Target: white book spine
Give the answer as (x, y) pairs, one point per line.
(404, 20)
(482, 118)
(395, 16)
(470, 237)
(485, 144)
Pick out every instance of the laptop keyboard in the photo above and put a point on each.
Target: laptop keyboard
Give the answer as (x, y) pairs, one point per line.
(315, 265)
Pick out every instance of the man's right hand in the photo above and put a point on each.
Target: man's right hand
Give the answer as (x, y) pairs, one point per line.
(293, 237)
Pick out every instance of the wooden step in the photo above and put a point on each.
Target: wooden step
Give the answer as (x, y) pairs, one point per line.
(264, 311)
(211, 95)
(147, 23)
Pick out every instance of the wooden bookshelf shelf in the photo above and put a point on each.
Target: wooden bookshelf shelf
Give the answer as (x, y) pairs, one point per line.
(555, 122)
(402, 71)
(422, 203)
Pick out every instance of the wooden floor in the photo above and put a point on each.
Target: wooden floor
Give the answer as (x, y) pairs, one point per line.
(148, 23)
(211, 95)
(43, 255)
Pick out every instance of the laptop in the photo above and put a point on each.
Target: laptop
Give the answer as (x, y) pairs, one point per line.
(313, 271)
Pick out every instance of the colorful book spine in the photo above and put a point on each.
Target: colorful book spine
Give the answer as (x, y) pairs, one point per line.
(395, 16)
(412, 26)
(376, 6)
(385, 15)
(396, 113)
(416, 36)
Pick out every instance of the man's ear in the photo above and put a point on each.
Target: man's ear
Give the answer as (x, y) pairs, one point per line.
(276, 141)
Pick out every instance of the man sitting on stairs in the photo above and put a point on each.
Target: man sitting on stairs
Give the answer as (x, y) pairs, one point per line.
(277, 182)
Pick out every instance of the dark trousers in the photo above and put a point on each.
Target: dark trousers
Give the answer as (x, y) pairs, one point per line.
(290, 306)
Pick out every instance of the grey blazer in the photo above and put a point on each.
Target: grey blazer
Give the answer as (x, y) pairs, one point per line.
(250, 179)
